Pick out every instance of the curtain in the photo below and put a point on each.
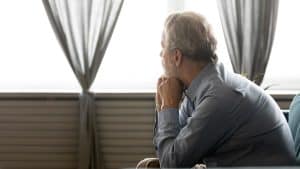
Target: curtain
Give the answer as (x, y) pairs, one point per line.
(83, 29)
(249, 27)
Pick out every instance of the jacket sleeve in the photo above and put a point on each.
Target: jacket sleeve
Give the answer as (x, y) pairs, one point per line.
(208, 125)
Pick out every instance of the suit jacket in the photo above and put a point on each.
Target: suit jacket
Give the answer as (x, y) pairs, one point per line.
(224, 120)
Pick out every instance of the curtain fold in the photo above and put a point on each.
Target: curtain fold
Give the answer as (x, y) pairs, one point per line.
(249, 28)
(83, 29)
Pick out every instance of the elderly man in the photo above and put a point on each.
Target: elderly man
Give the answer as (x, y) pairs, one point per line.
(223, 119)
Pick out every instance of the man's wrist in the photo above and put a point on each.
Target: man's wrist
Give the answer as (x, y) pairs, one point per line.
(158, 107)
(167, 116)
(167, 106)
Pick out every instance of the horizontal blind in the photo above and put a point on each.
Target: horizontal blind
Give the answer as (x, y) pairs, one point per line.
(38, 134)
(42, 133)
(125, 130)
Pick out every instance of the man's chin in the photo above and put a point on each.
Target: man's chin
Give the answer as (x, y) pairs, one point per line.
(171, 76)
(168, 75)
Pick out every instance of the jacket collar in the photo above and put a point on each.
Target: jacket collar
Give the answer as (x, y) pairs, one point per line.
(198, 82)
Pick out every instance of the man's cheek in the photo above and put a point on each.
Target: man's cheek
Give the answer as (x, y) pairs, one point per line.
(165, 70)
(163, 63)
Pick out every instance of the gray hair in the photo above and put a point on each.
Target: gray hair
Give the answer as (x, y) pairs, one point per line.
(191, 34)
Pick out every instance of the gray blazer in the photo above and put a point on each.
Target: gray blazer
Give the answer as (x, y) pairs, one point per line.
(224, 120)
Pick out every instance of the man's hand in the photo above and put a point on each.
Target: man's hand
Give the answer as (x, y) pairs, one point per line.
(158, 101)
(169, 92)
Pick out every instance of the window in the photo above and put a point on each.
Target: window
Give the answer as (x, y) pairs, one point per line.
(31, 59)
(283, 71)
(132, 61)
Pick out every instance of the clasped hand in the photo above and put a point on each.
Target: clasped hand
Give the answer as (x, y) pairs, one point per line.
(169, 93)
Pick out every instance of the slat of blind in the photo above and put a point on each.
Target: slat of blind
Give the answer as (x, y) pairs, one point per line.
(125, 135)
(116, 119)
(124, 158)
(128, 111)
(38, 126)
(65, 104)
(38, 141)
(133, 103)
(38, 149)
(32, 119)
(127, 150)
(38, 110)
(41, 157)
(40, 134)
(126, 142)
(124, 127)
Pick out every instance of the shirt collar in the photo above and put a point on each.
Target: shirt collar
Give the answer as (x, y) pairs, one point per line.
(197, 82)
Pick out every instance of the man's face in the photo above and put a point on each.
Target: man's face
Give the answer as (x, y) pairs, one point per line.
(167, 59)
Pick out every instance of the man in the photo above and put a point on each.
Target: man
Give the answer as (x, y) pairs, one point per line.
(224, 119)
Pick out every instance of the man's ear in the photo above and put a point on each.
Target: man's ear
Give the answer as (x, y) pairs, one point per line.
(178, 57)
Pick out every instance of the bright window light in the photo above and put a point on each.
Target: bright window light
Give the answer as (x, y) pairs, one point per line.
(132, 62)
(31, 59)
(283, 71)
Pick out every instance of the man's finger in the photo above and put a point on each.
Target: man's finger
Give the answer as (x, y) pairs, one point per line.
(160, 80)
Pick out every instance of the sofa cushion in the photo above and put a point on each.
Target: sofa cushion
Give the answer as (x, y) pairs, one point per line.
(294, 123)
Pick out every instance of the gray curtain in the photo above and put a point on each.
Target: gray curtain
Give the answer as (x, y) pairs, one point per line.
(83, 29)
(249, 27)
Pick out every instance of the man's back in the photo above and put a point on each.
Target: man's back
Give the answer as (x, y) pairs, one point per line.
(260, 134)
